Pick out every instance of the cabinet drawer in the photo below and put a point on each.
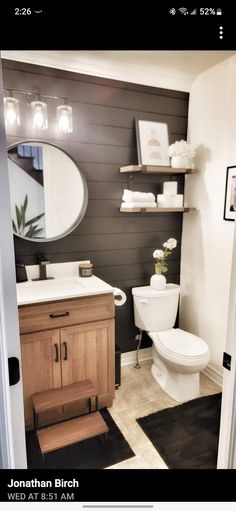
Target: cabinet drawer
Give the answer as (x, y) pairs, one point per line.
(44, 316)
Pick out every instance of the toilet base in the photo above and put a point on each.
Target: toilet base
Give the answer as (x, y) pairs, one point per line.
(181, 387)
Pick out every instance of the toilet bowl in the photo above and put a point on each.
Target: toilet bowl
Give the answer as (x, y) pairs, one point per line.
(178, 356)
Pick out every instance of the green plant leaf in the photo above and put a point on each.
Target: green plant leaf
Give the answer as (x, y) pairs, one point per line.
(14, 226)
(31, 233)
(18, 217)
(22, 211)
(25, 203)
(37, 232)
(34, 219)
(164, 269)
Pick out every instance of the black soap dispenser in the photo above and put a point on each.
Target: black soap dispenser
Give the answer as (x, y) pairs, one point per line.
(21, 275)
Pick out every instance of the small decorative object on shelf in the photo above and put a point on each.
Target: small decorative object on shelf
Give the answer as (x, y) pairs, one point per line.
(158, 281)
(181, 154)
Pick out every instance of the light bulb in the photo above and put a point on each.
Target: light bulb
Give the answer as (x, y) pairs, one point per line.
(64, 119)
(11, 111)
(40, 117)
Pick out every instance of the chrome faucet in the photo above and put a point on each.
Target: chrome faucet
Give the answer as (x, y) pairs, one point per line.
(43, 261)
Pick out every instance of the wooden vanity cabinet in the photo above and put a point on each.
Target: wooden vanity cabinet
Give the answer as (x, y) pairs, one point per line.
(66, 342)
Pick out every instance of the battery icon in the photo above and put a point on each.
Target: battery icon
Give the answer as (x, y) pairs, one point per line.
(219, 12)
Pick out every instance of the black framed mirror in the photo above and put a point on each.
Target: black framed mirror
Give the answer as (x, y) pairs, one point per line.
(48, 191)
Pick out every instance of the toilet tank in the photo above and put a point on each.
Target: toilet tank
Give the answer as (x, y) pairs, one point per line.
(155, 310)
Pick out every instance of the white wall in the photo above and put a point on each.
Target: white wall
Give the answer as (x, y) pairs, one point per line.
(208, 239)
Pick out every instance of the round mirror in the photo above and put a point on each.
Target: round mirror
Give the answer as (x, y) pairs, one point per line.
(48, 191)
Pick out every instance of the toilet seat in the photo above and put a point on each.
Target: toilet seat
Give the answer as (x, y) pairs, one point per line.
(176, 344)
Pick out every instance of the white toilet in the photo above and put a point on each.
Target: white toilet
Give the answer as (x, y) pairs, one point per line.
(178, 356)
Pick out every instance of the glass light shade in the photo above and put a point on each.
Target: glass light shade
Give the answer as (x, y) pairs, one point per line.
(64, 119)
(39, 111)
(11, 111)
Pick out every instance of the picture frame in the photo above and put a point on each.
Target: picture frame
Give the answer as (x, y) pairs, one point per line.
(230, 194)
(152, 143)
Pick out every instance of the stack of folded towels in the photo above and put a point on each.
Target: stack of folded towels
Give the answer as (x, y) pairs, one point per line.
(138, 200)
(170, 198)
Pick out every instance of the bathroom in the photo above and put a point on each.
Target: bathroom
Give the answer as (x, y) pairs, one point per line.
(120, 245)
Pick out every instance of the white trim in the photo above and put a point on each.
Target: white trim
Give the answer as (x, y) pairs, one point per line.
(6, 433)
(227, 439)
(214, 375)
(111, 66)
(129, 358)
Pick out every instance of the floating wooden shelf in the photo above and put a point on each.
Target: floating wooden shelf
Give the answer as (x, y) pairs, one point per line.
(156, 169)
(156, 210)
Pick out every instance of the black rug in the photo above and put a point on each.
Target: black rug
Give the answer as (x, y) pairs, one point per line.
(89, 454)
(186, 436)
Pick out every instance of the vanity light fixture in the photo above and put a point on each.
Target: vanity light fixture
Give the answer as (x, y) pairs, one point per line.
(11, 110)
(64, 118)
(39, 111)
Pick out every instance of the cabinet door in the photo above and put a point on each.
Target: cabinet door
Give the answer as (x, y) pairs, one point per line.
(88, 352)
(41, 366)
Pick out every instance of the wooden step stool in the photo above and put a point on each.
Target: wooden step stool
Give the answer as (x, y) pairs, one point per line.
(70, 431)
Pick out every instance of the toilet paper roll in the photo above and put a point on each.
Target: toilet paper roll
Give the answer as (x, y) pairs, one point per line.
(178, 201)
(120, 296)
(170, 187)
(164, 201)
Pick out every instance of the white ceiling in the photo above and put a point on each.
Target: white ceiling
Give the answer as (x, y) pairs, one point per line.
(192, 62)
(170, 69)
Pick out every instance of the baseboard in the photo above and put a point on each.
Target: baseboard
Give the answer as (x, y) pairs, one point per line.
(214, 375)
(130, 357)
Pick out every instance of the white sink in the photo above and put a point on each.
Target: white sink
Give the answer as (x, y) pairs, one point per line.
(59, 289)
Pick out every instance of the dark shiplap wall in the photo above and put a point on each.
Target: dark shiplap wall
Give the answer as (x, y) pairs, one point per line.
(119, 245)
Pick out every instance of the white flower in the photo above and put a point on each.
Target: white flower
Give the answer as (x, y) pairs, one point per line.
(158, 254)
(161, 255)
(180, 148)
(170, 244)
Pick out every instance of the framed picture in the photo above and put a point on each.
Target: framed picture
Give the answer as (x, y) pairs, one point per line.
(230, 194)
(152, 143)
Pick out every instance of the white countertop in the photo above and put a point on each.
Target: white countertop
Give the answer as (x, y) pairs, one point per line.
(60, 289)
(65, 284)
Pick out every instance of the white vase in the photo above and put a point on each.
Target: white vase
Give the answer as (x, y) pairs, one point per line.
(180, 162)
(158, 282)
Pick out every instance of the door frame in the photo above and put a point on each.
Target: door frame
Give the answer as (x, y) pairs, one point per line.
(12, 431)
(227, 437)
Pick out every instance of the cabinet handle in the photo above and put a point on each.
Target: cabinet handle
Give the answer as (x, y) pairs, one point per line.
(57, 353)
(65, 350)
(59, 315)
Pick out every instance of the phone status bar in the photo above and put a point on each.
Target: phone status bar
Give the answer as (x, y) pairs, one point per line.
(202, 11)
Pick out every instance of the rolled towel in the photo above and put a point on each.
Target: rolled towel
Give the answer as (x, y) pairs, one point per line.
(138, 205)
(129, 195)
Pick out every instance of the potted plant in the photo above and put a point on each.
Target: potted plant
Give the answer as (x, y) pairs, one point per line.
(158, 280)
(181, 154)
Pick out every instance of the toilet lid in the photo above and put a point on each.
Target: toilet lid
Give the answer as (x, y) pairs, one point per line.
(182, 343)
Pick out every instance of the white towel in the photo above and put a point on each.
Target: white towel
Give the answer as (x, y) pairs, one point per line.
(130, 196)
(138, 205)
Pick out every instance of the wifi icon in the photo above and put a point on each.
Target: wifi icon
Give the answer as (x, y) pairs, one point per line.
(183, 11)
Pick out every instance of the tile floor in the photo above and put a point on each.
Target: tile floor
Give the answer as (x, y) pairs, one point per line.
(139, 395)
